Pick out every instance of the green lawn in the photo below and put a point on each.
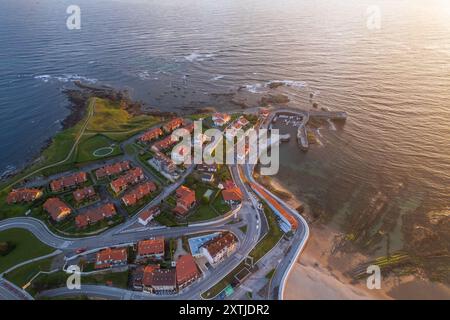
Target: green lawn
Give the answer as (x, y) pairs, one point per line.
(27, 246)
(58, 279)
(116, 122)
(24, 274)
(270, 239)
(88, 147)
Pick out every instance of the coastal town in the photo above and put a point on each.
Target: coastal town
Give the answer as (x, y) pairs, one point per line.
(166, 226)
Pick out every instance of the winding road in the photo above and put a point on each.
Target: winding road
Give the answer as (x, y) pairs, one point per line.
(121, 235)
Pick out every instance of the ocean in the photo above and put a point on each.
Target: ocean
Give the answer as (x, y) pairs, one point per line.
(393, 80)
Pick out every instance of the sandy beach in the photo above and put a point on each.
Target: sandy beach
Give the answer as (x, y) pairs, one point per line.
(319, 274)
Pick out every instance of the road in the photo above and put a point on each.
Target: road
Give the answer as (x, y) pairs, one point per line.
(121, 235)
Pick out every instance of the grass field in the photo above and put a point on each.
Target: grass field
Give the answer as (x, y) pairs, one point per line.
(90, 148)
(24, 274)
(27, 246)
(116, 123)
(58, 279)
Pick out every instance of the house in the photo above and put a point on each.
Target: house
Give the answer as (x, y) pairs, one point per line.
(68, 182)
(23, 195)
(217, 249)
(113, 169)
(164, 163)
(130, 178)
(148, 215)
(57, 209)
(164, 144)
(231, 193)
(189, 127)
(220, 119)
(147, 276)
(83, 194)
(185, 200)
(138, 193)
(95, 215)
(207, 167)
(109, 258)
(151, 135)
(152, 248)
(208, 177)
(187, 271)
(173, 124)
(158, 280)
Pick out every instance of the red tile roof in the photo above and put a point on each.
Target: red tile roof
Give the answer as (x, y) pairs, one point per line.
(186, 269)
(95, 215)
(138, 193)
(277, 206)
(160, 277)
(217, 244)
(57, 209)
(68, 181)
(112, 169)
(173, 124)
(231, 192)
(185, 200)
(84, 193)
(151, 247)
(23, 195)
(151, 134)
(164, 143)
(149, 213)
(131, 177)
(106, 257)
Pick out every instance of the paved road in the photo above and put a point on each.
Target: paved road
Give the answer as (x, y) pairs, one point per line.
(119, 236)
(9, 291)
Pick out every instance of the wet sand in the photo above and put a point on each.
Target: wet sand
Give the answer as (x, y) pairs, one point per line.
(319, 274)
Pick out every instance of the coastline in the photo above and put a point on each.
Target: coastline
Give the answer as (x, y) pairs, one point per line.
(320, 274)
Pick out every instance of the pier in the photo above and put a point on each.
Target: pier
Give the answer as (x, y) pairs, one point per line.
(302, 134)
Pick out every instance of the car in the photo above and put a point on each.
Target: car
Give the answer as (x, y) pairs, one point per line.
(80, 250)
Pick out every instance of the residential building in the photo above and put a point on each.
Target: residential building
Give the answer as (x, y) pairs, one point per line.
(130, 178)
(23, 195)
(164, 144)
(138, 193)
(187, 271)
(148, 215)
(185, 200)
(113, 169)
(57, 209)
(160, 280)
(164, 163)
(68, 182)
(219, 248)
(181, 155)
(109, 258)
(82, 194)
(231, 193)
(220, 119)
(173, 124)
(152, 248)
(95, 215)
(151, 135)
